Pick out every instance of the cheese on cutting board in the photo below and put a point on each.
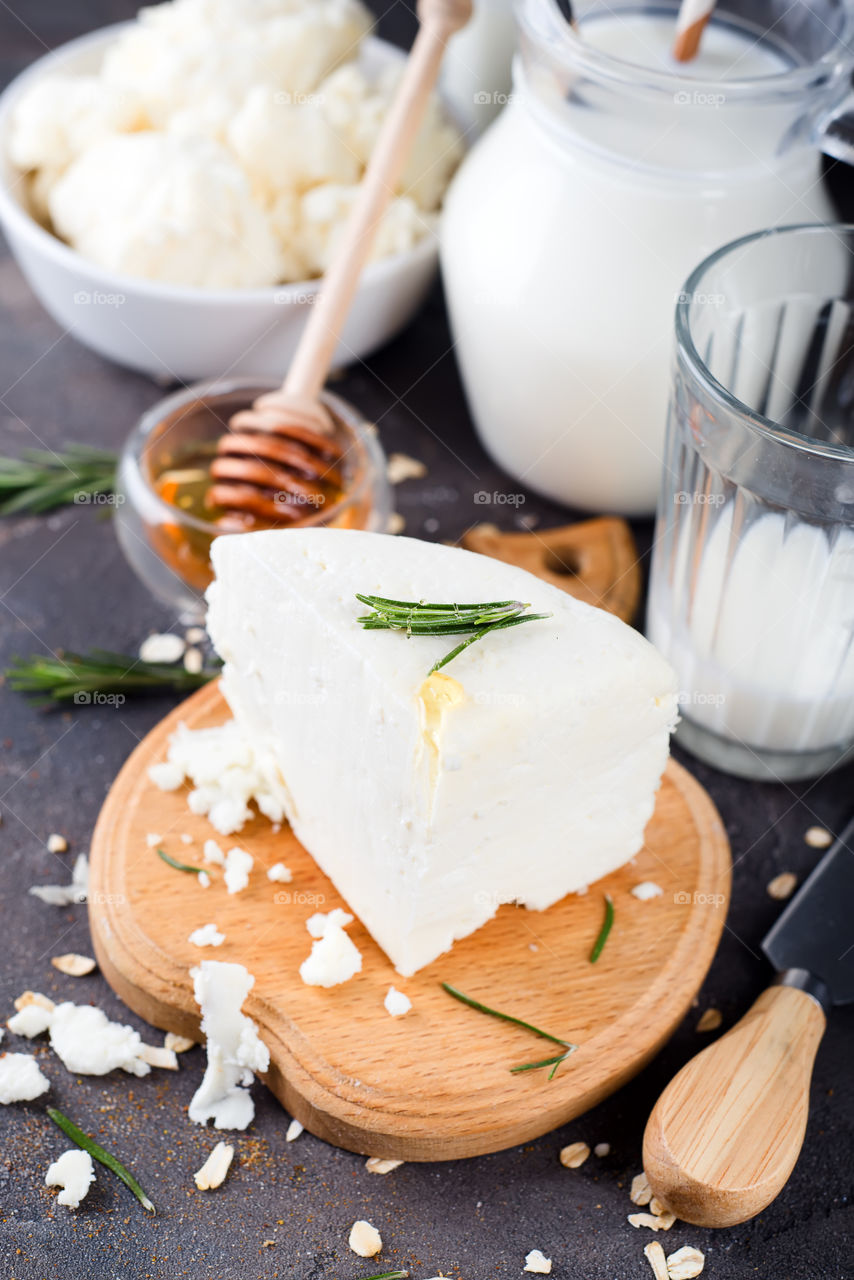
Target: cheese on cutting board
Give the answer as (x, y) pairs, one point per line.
(524, 770)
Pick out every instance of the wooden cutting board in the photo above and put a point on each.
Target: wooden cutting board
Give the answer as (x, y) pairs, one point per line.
(434, 1084)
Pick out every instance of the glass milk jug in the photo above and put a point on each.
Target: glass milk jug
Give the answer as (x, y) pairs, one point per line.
(612, 172)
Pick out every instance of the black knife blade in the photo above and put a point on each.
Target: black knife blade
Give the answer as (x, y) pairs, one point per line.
(815, 933)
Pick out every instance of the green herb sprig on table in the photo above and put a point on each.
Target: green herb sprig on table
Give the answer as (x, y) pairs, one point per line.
(76, 677)
(97, 1152)
(418, 618)
(41, 480)
(553, 1062)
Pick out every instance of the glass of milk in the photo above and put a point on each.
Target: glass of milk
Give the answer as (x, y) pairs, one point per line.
(752, 590)
(613, 171)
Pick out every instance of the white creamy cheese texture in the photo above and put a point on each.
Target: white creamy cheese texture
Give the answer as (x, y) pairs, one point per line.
(75, 1173)
(21, 1078)
(89, 1044)
(234, 1048)
(532, 772)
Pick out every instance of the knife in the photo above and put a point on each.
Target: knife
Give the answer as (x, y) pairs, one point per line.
(726, 1132)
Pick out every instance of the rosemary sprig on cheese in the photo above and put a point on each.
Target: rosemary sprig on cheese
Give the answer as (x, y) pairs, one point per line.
(97, 1152)
(418, 618)
(41, 480)
(82, 678)
(553, 1062)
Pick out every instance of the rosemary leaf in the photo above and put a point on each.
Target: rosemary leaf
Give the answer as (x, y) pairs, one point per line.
(604, 931)
(41, 480)
(179, 866)
(494, 1013)
(421, 618)
(388, 1275)
(554, 1062)
(97, 1152)
(76, 677)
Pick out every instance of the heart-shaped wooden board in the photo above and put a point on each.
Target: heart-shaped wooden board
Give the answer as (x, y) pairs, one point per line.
(434, 1084)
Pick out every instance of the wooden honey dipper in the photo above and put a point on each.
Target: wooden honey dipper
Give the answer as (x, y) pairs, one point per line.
(284, 443)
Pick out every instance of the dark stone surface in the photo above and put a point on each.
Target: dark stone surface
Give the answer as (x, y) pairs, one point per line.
(64, 583)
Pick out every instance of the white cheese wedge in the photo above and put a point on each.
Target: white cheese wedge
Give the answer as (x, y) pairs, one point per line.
(525, 771)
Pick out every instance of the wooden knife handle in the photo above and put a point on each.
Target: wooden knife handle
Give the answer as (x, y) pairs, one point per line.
(726, 1132)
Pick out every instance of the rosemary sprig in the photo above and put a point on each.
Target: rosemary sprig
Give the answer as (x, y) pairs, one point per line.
(40, 480)
(418, 618)
(179, 866)
(604, 931)
(388, 1275)
(554, 1062)
(80, 677)
(98, 1153)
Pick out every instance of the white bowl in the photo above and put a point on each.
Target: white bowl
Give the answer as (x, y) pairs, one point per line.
(177, 332)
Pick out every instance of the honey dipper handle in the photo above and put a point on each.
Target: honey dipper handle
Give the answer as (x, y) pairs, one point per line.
(725, 1134)
(439, 19)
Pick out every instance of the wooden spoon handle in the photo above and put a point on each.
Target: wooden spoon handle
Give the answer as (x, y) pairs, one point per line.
(726, 1132)
(439, 20)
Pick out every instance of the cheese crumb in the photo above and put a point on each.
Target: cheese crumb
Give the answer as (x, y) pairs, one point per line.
(207, 936)
(212, 853)
(647, 889)
(365, 1240)
(213, 1171)
(396, 1003)
(280, 874)
(193, 661)
(56, 844)
(64, 895)
(186, 838)
(158, 1055)
(30, 1021)
(710, 1020)
(602, 1149)
(686, 1263)
(377, 1164)
(74, 966)
(238, 864)
(294, 1131)
(227, 776)
(21, 1079)
(538, 1263)
(573, 1156)
(165, 648)
(818, 838)
(234, 1047)
(204, 879)
(89, 1044)
(320, 921)
(178, 1044)
(641, 1192)
(75, 1173)
(654, 1254)
(334, 956)
(166, 776)
(153, 839)
(783, 886)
